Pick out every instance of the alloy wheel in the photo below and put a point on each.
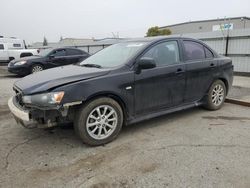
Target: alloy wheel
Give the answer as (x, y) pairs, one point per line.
(218, 94)
(37, 68)
(101, 122)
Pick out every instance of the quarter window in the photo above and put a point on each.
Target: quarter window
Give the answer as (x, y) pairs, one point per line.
(194, 50)
(1, 47)
(165, 53)
(208, 53)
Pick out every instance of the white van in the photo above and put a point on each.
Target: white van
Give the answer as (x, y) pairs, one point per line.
(12, 48)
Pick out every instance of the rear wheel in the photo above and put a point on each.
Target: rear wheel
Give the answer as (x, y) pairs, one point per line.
(99, 121)
(216, 95)
(36, 68)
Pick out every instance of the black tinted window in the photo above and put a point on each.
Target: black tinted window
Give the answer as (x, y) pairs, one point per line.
(60, 52)
(194, 50)
(1, 47)
(74, 52)
(208, 53)
(165, 53)
(17, 45)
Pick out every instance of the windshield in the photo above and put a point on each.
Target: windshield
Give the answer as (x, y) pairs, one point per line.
(114, 55)
(45, 52)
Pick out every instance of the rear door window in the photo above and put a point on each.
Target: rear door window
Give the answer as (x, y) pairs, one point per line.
(193, 50)
(73, 52)
(1, 47)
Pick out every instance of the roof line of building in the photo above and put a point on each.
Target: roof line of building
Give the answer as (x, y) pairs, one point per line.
(199, 21)
(70, 38)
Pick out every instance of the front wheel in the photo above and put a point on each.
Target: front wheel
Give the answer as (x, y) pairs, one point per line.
(99, 121)
(36, 68)
(216, 95)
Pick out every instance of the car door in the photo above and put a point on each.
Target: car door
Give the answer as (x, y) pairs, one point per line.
(163, 86)
(4, 56)
(200, 69)
(58, 58)
(74, 55)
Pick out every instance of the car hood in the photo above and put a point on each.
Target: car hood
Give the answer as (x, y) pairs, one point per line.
(52, 78)
(30, 58)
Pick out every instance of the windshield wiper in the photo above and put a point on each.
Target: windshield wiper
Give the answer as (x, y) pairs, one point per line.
(91, 65)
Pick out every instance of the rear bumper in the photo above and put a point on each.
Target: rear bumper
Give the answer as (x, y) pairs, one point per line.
(4, 62)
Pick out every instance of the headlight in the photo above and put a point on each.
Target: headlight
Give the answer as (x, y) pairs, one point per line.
(20, 62)
(44, 99)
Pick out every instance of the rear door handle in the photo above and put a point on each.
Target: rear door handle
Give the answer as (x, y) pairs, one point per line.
(179, 71)
(212, 65)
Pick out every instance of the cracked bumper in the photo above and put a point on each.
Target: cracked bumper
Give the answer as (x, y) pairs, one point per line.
(21, 116)
(19, 113)
(35, 118)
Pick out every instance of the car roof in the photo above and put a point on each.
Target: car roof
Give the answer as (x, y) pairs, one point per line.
(66, 48)
(157, 38)
(73, 48)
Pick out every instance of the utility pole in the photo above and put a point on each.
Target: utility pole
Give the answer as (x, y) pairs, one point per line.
(223, 35)
(225, 27)
(227, 37)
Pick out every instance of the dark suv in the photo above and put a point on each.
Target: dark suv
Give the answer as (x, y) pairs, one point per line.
(123, 84)
(47, 59)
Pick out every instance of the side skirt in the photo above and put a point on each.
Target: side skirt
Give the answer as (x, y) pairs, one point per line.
(163, 112)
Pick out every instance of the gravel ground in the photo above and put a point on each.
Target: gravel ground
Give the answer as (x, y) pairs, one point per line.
(241, 81)
(192, 148)
(6, 84)
(241, 88)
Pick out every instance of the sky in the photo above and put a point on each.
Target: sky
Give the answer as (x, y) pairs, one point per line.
(31, 20)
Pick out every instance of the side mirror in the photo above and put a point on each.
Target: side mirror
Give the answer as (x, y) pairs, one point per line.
(146, 63)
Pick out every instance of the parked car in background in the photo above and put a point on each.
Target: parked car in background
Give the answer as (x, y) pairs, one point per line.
(46, 59)
(14, 49)
(122, 84)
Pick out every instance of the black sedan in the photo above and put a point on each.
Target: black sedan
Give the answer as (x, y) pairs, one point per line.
(46, 59)
(124, 84)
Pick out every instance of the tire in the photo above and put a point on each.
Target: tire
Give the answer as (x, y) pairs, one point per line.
(216, 95)
(36, 68)
(93, 127)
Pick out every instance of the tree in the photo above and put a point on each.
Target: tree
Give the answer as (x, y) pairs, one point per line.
(156, 31)
(45, 42)
(61, 38)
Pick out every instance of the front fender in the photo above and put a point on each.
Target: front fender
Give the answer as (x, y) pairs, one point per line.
(101, 86)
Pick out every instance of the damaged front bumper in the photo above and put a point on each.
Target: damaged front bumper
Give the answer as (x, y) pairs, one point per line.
(37, 118)
(21, 116)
